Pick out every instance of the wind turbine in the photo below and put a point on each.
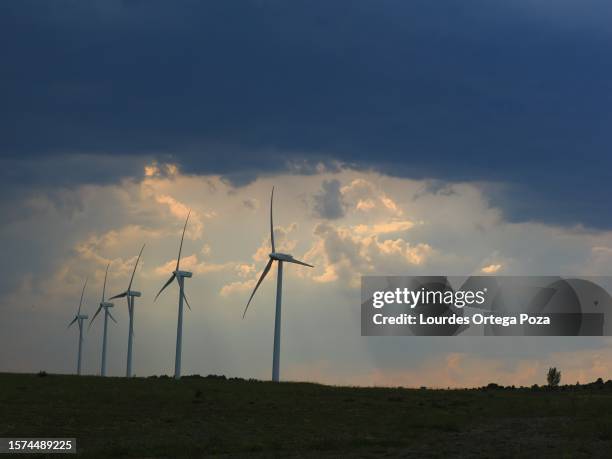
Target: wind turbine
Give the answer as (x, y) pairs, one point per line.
(79, 318)
(280, 258)
(180, 278)
(106, 306)
(130, 295)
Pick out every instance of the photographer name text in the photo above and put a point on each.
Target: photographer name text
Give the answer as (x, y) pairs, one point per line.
(475, 319)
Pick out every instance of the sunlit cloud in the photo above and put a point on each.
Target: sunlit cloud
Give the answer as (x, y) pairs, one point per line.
(385, 227)
(243, 287)
(491, 269)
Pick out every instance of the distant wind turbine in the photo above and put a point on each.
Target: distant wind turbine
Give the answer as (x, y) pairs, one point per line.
(79, 318)
(106, 306)
(280, 257)
(180, 278)
(130, 295)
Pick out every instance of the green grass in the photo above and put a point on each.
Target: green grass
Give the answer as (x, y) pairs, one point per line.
(195, 417)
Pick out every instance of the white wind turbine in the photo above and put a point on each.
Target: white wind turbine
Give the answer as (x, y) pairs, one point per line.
(106, 306)
(79, 318)
(180, 278)
(130, 295)
(280, 257)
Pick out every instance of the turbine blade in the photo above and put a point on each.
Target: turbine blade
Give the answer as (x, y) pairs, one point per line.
(104, 287)
(168, 282)
(186, 302)
(82, 293)
(271, 222)
(120, 295)
(298, 262)
(135, 266)
(131, 311)
(111, 316)
(261, 278)
(95, 315)
(178, 260)
(73, 321)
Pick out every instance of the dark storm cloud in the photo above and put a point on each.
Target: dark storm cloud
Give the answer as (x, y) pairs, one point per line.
(328, 202)
(517, 92)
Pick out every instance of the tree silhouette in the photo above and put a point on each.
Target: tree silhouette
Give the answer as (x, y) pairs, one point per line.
(553, 377)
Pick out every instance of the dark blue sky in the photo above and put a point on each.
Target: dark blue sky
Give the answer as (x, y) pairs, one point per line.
(512, 92)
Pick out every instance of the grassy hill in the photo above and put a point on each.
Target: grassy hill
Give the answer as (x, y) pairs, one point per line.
(194, 417)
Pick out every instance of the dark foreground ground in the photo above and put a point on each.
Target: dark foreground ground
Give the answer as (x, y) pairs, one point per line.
(195, 417)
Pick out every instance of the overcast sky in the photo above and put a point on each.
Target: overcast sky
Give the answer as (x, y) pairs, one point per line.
(403, 138)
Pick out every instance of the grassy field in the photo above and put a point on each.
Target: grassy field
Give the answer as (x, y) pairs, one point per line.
(195, 417)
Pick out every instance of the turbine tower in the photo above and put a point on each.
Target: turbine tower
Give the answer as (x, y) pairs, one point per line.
(280, 258)
(180, 278)
(79, 318)
(130, 294)
(106, 306)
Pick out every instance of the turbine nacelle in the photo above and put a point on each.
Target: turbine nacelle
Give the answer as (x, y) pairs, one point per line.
(106, 305)
(82, 316)
(133, 293)
(182, 273)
